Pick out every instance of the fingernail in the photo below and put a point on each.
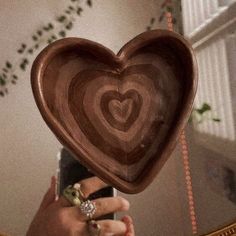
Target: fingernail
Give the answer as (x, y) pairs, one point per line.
(126, 205)
(128, 220)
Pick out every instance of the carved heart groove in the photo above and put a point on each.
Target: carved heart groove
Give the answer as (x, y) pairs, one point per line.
(120, 115)
(120, 110)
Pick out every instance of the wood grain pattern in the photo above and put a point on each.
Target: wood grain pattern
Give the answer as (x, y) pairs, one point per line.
(119, 114)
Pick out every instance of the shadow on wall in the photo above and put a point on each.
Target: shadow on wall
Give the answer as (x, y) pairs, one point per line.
(221, 176)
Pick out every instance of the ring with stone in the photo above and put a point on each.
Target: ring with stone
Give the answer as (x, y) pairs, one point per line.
(88, 208)
(94, 228)
(74, 194)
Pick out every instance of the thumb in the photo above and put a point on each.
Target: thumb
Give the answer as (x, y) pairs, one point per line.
(50, 195)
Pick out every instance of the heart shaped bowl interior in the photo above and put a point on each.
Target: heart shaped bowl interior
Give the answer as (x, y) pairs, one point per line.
(120, 115)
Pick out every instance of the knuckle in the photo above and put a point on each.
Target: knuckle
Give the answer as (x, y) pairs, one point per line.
(62, 217)
(106, 228)
(100, 206)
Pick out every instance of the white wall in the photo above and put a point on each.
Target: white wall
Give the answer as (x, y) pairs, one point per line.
(27, 146)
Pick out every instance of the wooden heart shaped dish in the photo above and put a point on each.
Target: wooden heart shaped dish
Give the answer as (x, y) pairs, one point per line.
(120, 115)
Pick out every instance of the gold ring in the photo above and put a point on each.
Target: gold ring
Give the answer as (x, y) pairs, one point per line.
(94, 228)
(74, 194)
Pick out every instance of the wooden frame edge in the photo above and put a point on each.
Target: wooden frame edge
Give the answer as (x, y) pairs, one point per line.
(229, 230)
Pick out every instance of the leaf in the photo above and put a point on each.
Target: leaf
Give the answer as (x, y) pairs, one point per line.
(39, 32)
(169, 9)
(1, 93)
(50, 26)
(69, 26)
(161, 17)
(34, 37)
(20, 51)
(89, 3)
(23, 45)
(71, 8)
(205, 107)
(61, 18)
(152, 21)
(216, 119)
(174, 21)
(25, 61)
(45, 28)
(79, 10)
(22, 66)
(2, 81)
(30, 51)
(62, 33)
(8, 65)
(14, 76)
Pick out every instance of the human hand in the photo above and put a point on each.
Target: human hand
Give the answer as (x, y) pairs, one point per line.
(60, 218)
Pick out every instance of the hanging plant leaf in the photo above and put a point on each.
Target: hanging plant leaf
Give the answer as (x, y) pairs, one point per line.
(14, 76)
(20, 51)
(174, 21)
(50, 26)
(89, 3)
(205, 107)
(69, 25)
(71, 8)
(62, 33)
(216, 119)
(169, 9)
(152, 21)
(79, 10)
(8, 65)
(34, 37)
(30, 51)
(2, 81)
(61, 18)
(23, 66)
(39, 32)
(161, 17)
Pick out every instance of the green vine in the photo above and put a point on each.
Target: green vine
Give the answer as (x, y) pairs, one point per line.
(46, 34)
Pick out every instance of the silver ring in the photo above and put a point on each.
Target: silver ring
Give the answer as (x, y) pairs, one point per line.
(88, 208)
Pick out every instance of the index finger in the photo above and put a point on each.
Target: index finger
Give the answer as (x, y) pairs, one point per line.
(87, 187)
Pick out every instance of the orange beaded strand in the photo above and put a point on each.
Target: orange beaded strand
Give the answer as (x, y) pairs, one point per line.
(185, 155)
